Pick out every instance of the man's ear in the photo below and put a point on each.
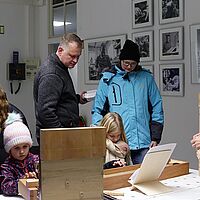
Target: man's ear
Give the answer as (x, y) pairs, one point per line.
(60, 50)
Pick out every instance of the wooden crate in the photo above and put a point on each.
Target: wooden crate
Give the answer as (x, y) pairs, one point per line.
(118, 177)
(72, 163)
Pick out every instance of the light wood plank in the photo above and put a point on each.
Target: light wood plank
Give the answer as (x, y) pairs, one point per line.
(60, 144)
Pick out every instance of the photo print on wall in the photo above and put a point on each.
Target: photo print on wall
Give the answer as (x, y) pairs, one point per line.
(145, 43)
(142, 13)
(100, 55)
(170, 11)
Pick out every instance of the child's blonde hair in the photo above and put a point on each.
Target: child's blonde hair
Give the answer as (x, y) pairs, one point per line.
(112, 121)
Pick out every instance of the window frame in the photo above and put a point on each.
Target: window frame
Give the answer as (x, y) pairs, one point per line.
(51, 17)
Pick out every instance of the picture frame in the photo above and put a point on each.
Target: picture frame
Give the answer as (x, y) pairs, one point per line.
(171, 11)
(195, 52)
(149, 67)
(145, 43)
(171, 79)
(142, 13)
(171, 43)
(101, 54)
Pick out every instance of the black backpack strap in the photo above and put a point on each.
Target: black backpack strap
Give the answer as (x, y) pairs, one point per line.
(106, 107)
(156, 128)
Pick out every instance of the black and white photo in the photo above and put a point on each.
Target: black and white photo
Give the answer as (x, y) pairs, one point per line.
(195, 52)
(145, 43)
(171, 79)
(149, 67)
(170, 11)
(171, 43)
(100, 55)
(142, 13)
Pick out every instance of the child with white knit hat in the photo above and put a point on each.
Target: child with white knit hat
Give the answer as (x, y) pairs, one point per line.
(20, 163)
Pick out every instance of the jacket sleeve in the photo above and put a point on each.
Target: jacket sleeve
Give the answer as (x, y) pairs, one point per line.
(157, 114)
(99, 101)
(156, 131)
(49, 91)
(9, 185)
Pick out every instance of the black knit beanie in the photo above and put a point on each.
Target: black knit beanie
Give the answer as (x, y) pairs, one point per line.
(130, 51)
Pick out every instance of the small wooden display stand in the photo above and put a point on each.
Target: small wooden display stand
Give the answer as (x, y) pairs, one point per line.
(28, 188)
(72, 163)
(118, 177)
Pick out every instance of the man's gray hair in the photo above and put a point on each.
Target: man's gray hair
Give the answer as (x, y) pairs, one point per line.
(71, 37)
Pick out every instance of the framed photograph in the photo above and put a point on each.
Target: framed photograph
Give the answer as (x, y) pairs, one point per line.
(100, 55)
(142, 13)
(195, 52)
(172, 79)
(150, 67)
(170, 11)
(171, 43)
(145, 43)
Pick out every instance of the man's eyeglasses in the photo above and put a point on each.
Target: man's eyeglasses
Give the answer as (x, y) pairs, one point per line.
(131, 64)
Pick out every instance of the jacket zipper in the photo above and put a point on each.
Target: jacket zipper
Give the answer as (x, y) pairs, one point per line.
(114, 94)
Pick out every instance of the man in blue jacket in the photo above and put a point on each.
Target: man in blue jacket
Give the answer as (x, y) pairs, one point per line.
(131, 91)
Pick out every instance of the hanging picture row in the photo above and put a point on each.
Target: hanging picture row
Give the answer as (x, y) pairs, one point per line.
(103, 52)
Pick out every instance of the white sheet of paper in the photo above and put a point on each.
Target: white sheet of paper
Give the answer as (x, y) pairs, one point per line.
(90, 95)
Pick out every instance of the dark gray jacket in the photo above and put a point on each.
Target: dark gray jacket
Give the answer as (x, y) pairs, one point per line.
(56, 103)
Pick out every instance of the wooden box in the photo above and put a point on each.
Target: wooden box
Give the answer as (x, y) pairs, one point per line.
(118, 177)
(28, 188)
(72, 163)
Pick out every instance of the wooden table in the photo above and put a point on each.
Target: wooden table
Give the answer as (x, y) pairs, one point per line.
(184, 187)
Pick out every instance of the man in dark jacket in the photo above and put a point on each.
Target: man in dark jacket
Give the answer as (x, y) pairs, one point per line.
(56, 103)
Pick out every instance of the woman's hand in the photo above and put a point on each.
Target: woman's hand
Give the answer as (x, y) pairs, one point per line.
(153, 144)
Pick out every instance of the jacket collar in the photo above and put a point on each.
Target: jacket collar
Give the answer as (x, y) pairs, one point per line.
(60, 64)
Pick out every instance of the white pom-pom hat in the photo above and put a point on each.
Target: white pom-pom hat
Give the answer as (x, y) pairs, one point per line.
(15, 132)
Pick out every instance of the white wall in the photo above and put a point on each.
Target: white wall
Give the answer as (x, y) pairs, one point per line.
(15, 17)
(98, 19)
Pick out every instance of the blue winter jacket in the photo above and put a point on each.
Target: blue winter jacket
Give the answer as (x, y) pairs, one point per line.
(136, 97)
